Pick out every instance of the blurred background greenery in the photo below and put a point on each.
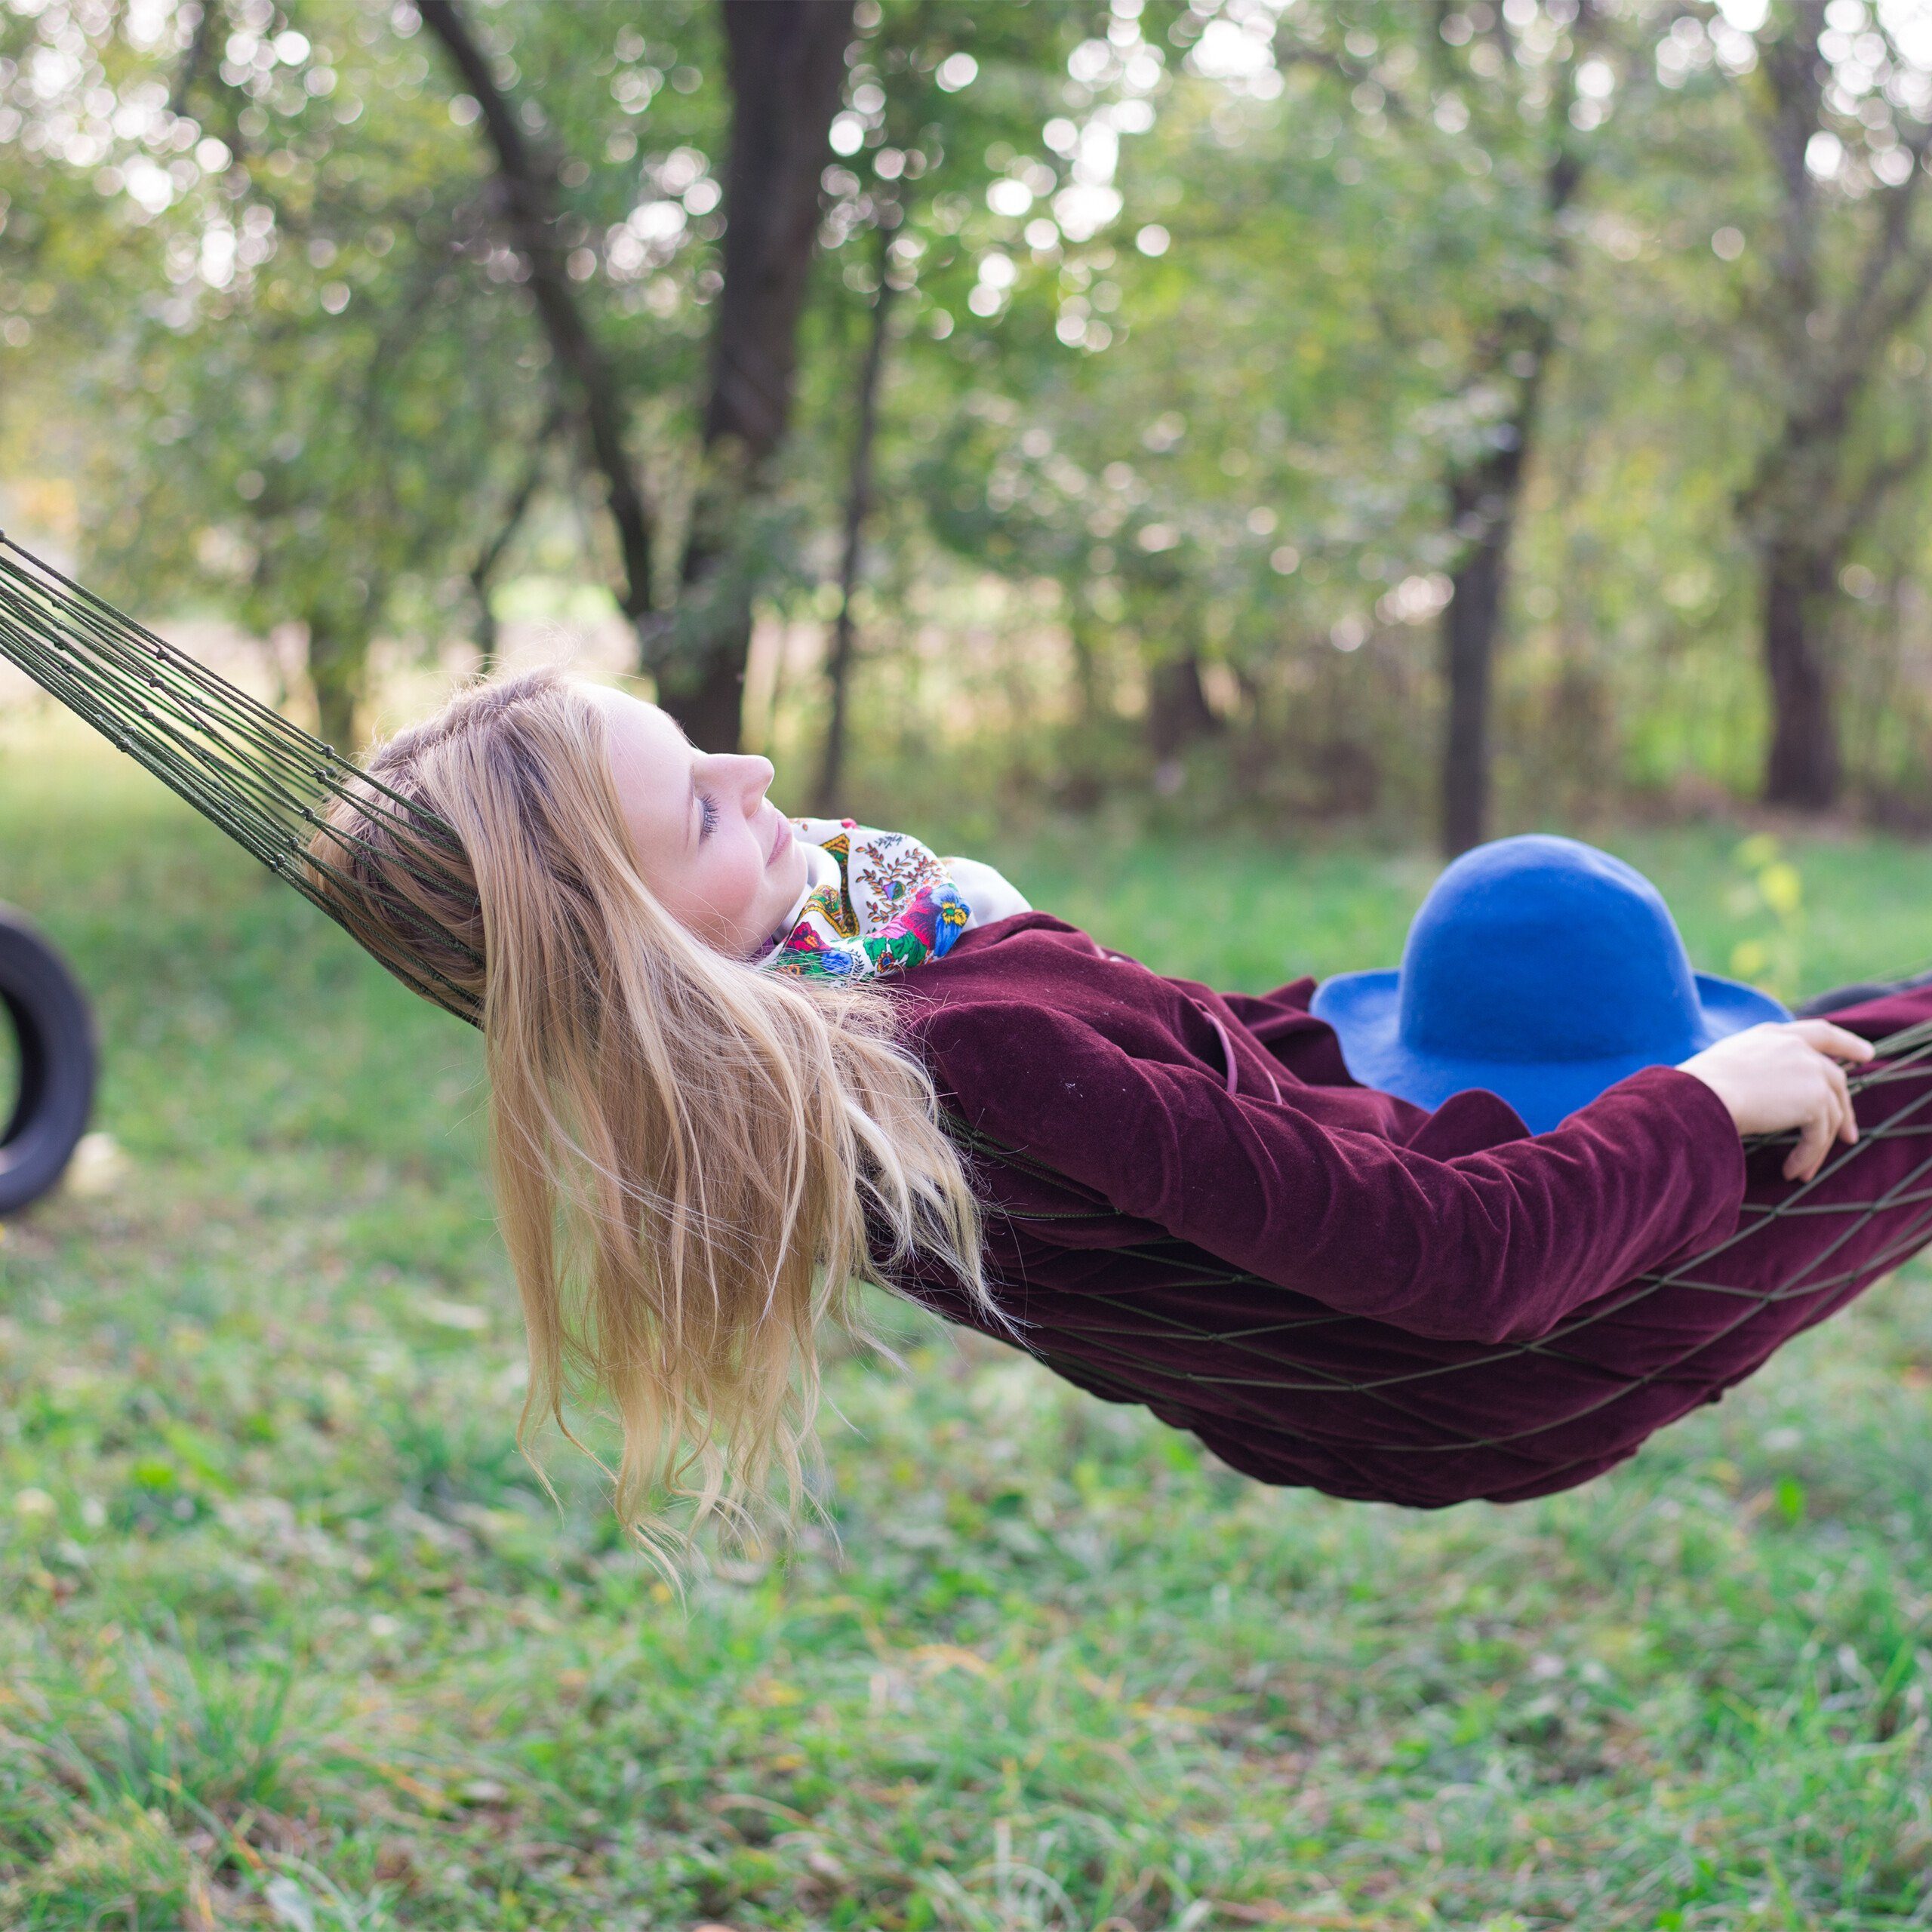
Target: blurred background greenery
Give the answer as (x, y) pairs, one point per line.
(1451, 417)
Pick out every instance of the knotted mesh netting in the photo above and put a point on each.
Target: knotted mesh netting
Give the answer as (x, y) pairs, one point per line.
(1276, 1384)
(1288, 1390)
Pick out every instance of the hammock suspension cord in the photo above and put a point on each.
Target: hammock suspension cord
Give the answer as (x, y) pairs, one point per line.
(237, 761)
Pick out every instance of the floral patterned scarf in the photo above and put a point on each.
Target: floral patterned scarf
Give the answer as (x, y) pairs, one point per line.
(875, 902)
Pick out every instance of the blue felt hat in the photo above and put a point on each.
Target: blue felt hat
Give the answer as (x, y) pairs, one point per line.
(1541, 969)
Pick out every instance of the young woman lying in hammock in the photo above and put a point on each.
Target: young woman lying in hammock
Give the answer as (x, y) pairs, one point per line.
(738, 1061)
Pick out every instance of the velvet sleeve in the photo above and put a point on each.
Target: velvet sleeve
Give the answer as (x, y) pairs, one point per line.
(1494, 1245)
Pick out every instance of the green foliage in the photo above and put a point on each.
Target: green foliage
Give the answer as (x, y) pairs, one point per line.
(317, 404)
(290, 1636)
(1201, 317)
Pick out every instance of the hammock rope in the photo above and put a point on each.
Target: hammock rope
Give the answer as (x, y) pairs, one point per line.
(264, 781)
(268, 785)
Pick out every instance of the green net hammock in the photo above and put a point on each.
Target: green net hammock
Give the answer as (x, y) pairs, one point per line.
(265, 783)
(1276, 1385)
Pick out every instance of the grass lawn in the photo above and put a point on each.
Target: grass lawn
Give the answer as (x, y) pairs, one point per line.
(289, 1634)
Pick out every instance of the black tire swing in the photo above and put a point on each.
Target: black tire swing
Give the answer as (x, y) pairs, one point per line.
(54, 1036)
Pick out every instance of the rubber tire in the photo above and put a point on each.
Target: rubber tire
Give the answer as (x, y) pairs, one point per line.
(57, 1060)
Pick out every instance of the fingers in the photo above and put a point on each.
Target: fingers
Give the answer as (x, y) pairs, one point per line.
(1831, 1119)
(1814, 1141)
(1789, 1077)
(1834, 1040)
(1848, 1114)
(1836, 1119)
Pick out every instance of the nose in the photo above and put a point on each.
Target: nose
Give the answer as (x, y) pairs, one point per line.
(753, 775)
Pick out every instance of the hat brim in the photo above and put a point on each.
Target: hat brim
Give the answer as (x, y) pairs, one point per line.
(1363, 1008)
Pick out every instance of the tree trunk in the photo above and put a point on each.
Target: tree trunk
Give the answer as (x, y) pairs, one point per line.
(1468, 653)
(1803, 768)
(785, 59)
(1483, 500)
(1178, 712)
(483, 571)
(1483, 508)
(338, 670)
(195, 60)
(1084, 633)
(487, 629)
(858, 505)
(1827, 351)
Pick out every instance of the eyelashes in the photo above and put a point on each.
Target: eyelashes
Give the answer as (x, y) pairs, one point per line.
(708, 811)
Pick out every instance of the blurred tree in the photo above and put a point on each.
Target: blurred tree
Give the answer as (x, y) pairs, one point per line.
(1031, 461)
(785, 61)
(944, 104)
(1340, 331)
(826, 789)
(784, 65)
(1153, 370)
(1840, 99)
(527, 202)
(1511, 96)
(300, 412)
(497, 541)
(77, 261)
(1533, 83)
(547, 230)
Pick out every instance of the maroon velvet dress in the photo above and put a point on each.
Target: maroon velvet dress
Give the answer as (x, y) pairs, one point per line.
(1193, 1206)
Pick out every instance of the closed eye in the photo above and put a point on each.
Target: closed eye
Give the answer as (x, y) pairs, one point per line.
(708, 810)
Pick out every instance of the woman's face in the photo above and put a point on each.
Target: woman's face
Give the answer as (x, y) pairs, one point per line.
(718, 855)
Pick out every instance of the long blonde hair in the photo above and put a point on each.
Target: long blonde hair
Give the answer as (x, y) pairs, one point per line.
(694, 1161)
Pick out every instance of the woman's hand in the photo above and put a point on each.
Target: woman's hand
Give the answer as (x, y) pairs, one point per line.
(1777, 1077)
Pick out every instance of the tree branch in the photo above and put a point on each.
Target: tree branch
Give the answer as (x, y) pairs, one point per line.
(1883, 477)
(531, 217)
(483, 570)
(1788, 64)
(1882, 304)
(1892, 238)
(492, 554)
(195, 57)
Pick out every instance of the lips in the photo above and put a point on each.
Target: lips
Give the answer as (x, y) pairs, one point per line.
(782, 839)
